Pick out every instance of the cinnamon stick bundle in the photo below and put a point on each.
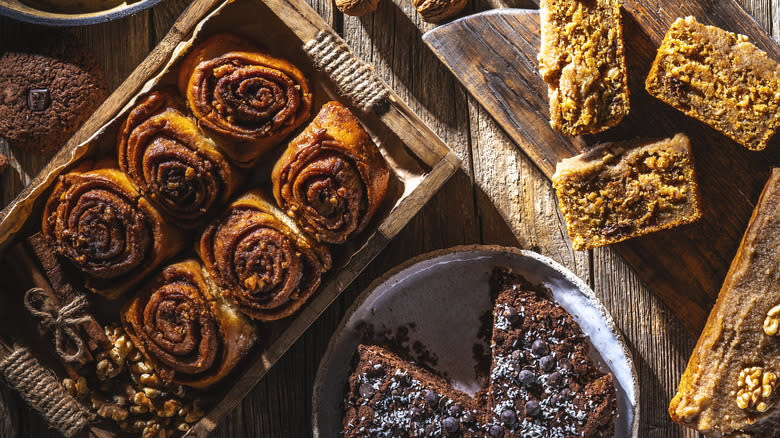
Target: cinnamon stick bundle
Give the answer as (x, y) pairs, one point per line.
(59, 306)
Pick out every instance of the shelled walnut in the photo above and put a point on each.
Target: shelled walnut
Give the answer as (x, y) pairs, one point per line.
(772, 321)
(436, 11)
(125, 389)
(755, 388)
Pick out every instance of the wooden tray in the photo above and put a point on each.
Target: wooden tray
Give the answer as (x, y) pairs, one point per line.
(420, 163)
(685, 266)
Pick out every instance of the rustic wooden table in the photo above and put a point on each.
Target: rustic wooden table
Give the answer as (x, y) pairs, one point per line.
(497, 197)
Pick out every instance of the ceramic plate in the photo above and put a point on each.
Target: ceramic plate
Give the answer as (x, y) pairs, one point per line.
(18, 10)
(435, 301)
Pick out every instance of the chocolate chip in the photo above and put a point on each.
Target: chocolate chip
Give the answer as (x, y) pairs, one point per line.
(455, 410)
(517, 355)
(565, 365)
(508, 417)
(526, 377)
(416, 412)
(450, 424)
(366, 390)
(532, 408)
(429, 429)
(511, 315)
(547, 363)
(496, 431)
(431, 397)
(38, 99)
(555, 379)
(468, 418)
(539, 348)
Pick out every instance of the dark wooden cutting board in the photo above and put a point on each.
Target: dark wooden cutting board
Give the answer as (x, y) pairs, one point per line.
(494, 55)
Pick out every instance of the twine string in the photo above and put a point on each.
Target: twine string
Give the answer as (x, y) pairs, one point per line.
(64, 321)
(354, 77)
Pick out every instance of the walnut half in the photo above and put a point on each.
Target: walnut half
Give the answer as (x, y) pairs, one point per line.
(755, 388)
(357, 8)
(772, 321)
(436, 11)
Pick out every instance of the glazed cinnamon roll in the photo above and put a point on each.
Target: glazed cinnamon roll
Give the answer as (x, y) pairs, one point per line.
(166, 156)
(261, 261)
(246, 99)
(188, 334)
(332, 178)
(99, 221)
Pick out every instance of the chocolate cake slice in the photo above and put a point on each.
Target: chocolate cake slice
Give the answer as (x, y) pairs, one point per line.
(542, 382)
(392, 397)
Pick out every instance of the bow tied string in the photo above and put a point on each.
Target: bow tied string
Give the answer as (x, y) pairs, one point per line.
(65, 320)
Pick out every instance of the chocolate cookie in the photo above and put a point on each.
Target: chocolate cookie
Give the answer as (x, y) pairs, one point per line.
(47, 90)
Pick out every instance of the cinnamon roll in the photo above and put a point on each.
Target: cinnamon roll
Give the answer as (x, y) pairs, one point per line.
(332, 177)
(99, 221)
(244, 98)
(188, 334)
(166, 156)
(260, 259)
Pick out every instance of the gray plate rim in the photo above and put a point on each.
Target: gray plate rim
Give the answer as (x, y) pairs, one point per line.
(63, 19)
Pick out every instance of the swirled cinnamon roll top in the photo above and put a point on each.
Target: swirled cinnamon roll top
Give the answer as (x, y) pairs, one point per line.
(332, 178)
(164, 153)
(99, 221)
(189, 335)
(260, 260)
(244, 98)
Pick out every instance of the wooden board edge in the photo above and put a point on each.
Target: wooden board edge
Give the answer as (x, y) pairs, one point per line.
(411, 205)
(413, 131)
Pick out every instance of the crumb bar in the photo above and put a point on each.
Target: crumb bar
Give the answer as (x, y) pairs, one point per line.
(582, 61)
(719, 78)
(617, 191)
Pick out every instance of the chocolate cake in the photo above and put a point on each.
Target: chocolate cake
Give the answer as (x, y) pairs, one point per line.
(391, 397)
(542, 382)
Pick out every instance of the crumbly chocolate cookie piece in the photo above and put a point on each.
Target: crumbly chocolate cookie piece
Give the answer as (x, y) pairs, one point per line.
(47, 90)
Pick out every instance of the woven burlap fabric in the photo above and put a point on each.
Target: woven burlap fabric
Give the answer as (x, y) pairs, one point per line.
(354, 77)
(41, 389)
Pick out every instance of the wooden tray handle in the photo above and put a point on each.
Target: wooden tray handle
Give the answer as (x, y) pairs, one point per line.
(41, 389)
(353, 77)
